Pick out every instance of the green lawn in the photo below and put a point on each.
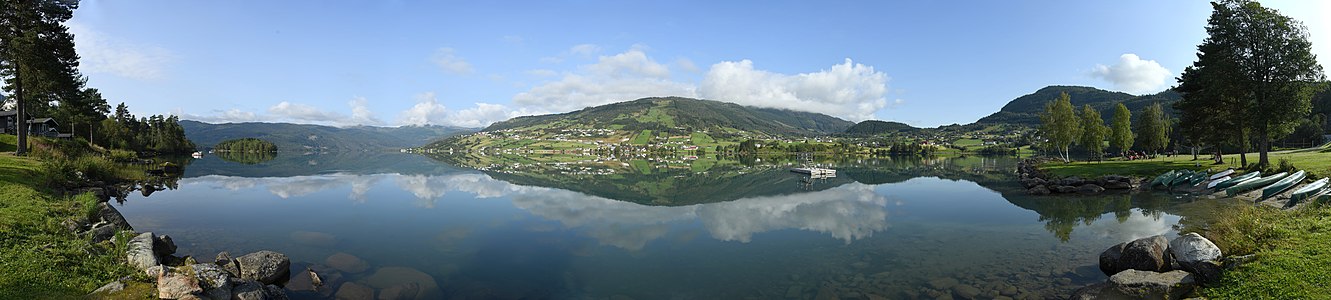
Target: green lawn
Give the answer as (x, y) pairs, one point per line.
(642, 166)
(1317, 162)
(39, 258)
(642, 138)
(1293, 253)
(699, 138)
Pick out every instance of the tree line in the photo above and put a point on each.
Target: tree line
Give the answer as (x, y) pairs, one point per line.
(1061, 126)
(39, 67)
(246, 145)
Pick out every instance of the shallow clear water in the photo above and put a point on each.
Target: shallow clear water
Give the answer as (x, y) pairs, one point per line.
(899, 229)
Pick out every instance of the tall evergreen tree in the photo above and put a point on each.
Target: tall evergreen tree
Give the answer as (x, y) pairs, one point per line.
(1264, 61)
(37, 57)
(1093, 132)
(1121, 131)
(1059, 125)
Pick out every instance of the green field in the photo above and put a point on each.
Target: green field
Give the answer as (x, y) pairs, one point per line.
(642, 138)
(642, 166)
(699, 138)
(1293, 260)
(1317, 162)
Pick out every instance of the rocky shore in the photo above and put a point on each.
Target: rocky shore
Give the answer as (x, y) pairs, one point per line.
(1037, 182)
(1157, 268)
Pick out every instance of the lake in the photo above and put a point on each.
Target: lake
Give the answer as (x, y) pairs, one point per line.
(652, 228)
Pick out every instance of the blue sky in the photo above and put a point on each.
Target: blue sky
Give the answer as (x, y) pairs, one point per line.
(390, 63)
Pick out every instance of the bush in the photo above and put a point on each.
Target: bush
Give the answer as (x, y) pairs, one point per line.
(59, 171)
(1245, 229)
(123, 156)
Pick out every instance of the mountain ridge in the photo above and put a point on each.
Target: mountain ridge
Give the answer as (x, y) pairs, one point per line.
(1025, 110)
(309, 137)
(671, 114)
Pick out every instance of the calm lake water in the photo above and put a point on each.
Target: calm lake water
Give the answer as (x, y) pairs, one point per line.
(670, 228)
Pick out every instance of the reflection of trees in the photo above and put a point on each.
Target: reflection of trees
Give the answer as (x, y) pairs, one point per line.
(1063, 214)
(248, 158)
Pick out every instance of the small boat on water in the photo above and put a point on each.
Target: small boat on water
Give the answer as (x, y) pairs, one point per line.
(1254, 183)
(1224, 173)
(1236, 180)
(1309, 190)
(197, 154)
(815, 171)
(1163, 178)
(1218, 181)
(1282, 185)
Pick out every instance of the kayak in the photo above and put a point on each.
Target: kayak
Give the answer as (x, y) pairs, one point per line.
(1254, 183)
(1309, 190)
(1224, 173)
(1217, 182)
(1197, 179)
(1184, 177)
(1237, 180)
(1282, 185)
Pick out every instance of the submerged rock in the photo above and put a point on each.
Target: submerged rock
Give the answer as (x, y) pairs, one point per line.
(265, 266)
(347, 263)
(352, 290)
(1039, 190)
(387, 277)
(406, 291)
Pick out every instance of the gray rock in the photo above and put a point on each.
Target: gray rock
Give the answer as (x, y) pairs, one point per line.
(1118, 185)
(354, 291)
(943, 283)
(1098, 291)
(1071, 181)
(1146, 254)
(1090, 189)
(140, 253)
(1192, 248)
(1110, 257)
(215, 282)
(387, 277)
(102, 232)
(1065, 189)
(1038, 190)
(248, 290)
(227, 263)
(1206, 272)
(966, 291)
(1153, 285)
(109, 214)
(114, 286)
(174, 285)
(274, 292)
(347, 263)
(264, 266)
(164, 245)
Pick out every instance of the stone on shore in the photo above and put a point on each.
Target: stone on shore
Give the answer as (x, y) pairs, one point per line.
(1153, 285)
(1145, 254)
(1192, 247)
(248, 290)
(172, 285)
(264, 266)
(1090, 189)
(109, 214)
(1039, 190)
(140, 253)
(215, 281)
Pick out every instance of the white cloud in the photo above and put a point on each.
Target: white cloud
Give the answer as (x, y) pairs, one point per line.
(847, 90)
(105, 54)
(219, 116)
(621, 77)
(1133, 75)
(361, 114)
(428, 111)
(542, 73)
(687, 65)
(450, 62)
(584, 49)
(305, 113)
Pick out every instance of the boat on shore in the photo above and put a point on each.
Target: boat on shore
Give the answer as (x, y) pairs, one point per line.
(1254, 183)
(1163, 178)
(1282, 185)
(1215, 182)
(1224, 173)
(1309, 190)
(1237, 180)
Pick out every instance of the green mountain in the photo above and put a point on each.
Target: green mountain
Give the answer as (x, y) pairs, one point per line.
(305, 137)
(1025, 110)
(683, 115)
(876, 127)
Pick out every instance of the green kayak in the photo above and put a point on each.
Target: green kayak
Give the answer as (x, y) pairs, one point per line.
(1309, 190)
(1254, 184)
(1282, 185)
(1197, 179)
(1163, 178)
(1237, 180)
(1184, 177)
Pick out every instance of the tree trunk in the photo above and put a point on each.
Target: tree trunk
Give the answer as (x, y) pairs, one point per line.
(20, 119)
(1263, 147)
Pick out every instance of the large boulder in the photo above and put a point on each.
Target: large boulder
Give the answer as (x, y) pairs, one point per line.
(1039, 190)
(388, 277)
(1193, 248)
(215, 282)
(102, 232)
(1153, 285)
(164, 245)
(109, 214)
(1071, 181)
(1145, 254)
(265, 266)
(140, 253)
(248, 290)
(1118, 185)
(173, 285)
(1064, 189)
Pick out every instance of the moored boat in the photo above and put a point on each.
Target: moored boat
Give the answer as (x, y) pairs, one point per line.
(1254, 184)
(1237, 180)
(1282, 185)
(1309, 190)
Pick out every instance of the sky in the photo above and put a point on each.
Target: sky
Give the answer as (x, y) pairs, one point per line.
(394, 63)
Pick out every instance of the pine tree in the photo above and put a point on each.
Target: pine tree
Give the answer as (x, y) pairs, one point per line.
(37, 57)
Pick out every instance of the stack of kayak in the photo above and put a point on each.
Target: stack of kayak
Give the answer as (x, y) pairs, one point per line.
(1270, 185)
(1252, 184)
(1180, 177)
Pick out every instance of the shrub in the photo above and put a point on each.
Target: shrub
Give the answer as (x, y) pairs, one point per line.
(1244, 229)
(123, 156)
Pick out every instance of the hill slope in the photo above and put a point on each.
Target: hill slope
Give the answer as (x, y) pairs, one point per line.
(1025, 110)
(875, 127)
(676, 114)
(301, 137)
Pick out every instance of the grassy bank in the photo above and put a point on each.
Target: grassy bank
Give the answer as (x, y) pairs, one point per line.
(1292, 249)
(1316, 161)
(39, 257)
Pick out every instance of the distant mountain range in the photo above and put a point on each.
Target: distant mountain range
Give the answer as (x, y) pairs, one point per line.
(1025, 110)
(683, 115)
(306, 137)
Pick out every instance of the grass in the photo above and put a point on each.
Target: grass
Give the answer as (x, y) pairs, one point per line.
(39, 258)
(642, 138)
(699, 138)
(1316, 162)
(1293, 259)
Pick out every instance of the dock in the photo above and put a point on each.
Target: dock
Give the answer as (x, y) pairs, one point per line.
(821, 172)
